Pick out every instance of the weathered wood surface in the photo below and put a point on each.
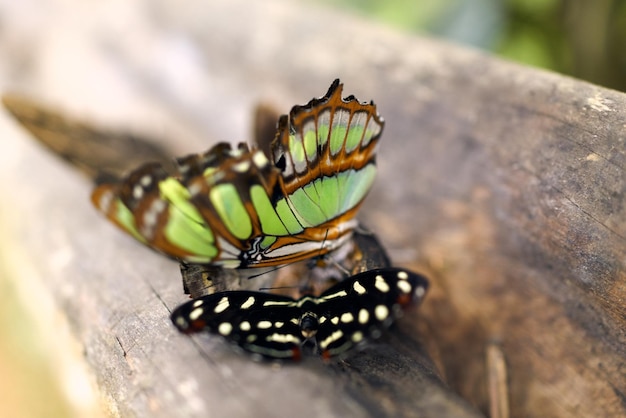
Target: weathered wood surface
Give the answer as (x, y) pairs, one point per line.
(505, 185)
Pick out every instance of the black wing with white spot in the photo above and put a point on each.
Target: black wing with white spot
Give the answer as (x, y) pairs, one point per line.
(360, 308)
(261, 323)
(275, 327)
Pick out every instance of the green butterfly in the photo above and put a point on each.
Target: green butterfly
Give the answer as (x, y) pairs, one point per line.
(239, 208)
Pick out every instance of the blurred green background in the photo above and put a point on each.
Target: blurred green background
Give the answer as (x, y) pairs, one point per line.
(582, 38)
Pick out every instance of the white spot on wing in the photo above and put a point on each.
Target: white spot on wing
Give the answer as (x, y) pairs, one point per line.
(404, 286)
(381, 284)
(339, 294)
(195, 314)
(347, 317)
(259, 159)
(381, 312)
(222, 305)
(225, 328)
(242, 167)
(137, 192)
(151, 216)
(283, 338)
(420, 291)
(195, 188)
(364, 316)
(277, 303)
(358, 288)
(264, 324)
(248, 303)
(331, 338)
(104, 203)
(146, 180)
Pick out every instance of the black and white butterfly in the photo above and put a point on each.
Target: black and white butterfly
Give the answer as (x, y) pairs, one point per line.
(276, 327)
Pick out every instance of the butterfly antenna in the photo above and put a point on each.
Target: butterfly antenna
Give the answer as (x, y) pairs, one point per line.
(329, 259)
(277, 288)
(273, 269)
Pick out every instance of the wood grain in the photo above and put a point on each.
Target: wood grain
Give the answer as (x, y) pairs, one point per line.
(504, 184)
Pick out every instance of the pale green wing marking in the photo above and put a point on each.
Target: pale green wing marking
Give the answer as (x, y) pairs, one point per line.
(126, 219)
(372, 130)
(305, 208)
(328, 190)
(296, 149)
(338, 130)
(286, 215)
(355, 133)
(357, 185)
(310, 141)
(267, 241)
(185, 227)
(227, 202)
(270, 221)
(184, 234)
(178, 196)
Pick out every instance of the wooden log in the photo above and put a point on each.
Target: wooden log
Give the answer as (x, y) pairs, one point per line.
(504, 184)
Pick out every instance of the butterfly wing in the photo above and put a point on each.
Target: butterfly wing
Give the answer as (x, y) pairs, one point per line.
(362, 306)
(205, 215)
(97, 153)
(326, 150)
(273, 326)
(263, 324)
(236, 208)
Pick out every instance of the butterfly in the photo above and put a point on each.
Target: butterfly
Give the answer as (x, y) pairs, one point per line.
(271, 327)
(100, 154)
(237, 207)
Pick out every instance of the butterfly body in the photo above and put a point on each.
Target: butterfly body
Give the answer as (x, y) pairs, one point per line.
(276, 327)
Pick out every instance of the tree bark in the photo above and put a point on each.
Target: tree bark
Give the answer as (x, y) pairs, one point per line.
(505, 185)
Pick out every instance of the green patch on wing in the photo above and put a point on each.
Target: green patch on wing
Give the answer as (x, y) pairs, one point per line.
(287, 217)
(185, 227)
(355, 133)
(355, 185)
(271, 223)
(229, 206)
(126, 219)
(339, 130)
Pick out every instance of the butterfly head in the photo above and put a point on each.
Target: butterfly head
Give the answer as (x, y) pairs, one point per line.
(309, 323)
